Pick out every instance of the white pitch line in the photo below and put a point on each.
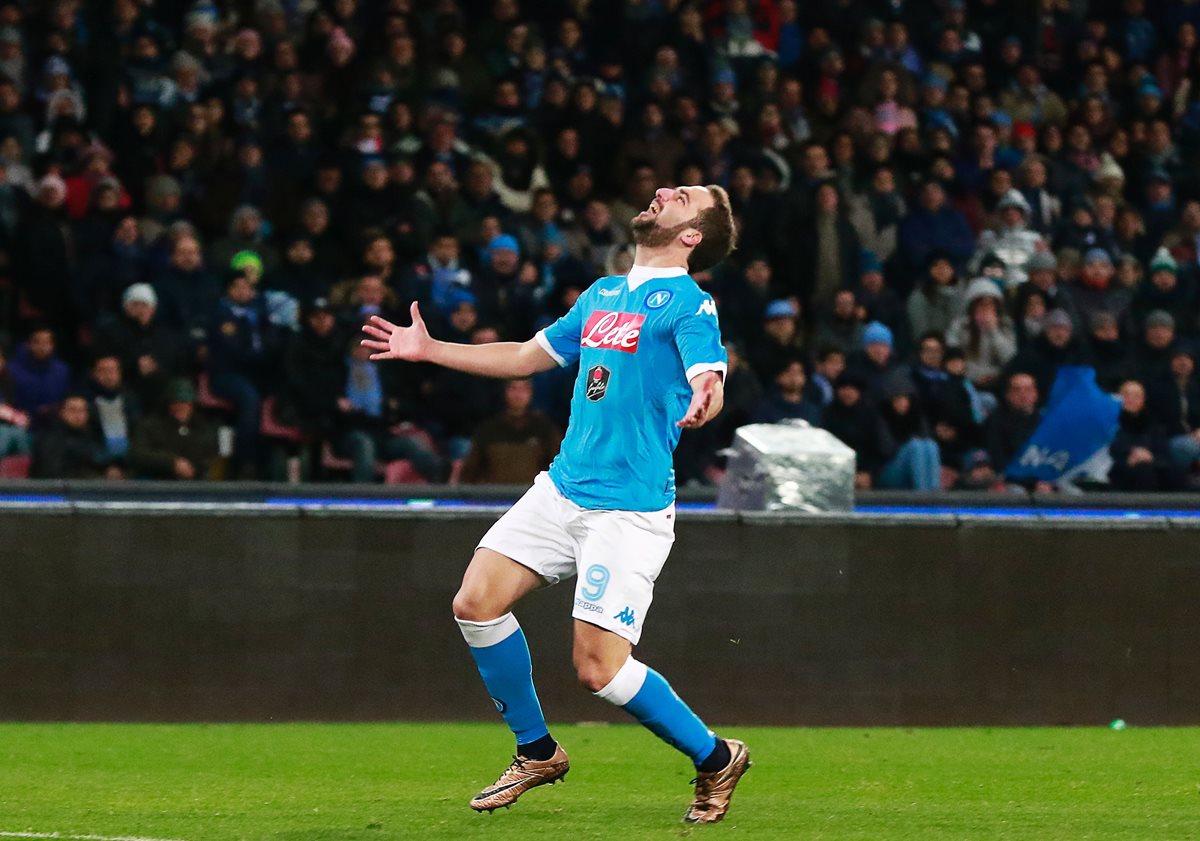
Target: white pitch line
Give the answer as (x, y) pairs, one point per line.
(65, 837)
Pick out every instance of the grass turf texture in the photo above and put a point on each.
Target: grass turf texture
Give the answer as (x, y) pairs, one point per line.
(300, 782)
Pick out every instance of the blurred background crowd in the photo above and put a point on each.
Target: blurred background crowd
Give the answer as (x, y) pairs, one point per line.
(940, 202)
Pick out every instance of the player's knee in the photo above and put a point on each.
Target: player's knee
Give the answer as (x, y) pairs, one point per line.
(470, 607)
(594, 674)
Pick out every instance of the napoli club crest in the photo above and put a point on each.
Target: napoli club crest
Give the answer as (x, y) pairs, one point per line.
(656, 300)
(597, 382)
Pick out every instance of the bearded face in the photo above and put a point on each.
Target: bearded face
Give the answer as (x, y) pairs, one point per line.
(647, 231)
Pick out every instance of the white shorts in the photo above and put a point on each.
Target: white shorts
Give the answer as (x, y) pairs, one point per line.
(616, 554)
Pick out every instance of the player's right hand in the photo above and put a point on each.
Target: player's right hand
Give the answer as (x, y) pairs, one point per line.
(391, 341)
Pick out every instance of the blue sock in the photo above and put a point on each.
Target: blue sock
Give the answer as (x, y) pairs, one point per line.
(502, 657)
(646, 695)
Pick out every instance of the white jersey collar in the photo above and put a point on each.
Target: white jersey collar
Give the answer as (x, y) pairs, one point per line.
(640, 274)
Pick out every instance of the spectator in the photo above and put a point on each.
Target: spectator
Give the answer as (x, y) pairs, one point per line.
(1012, 424)
(935, 225)
(831, 364)
(1012, 237)
(14, 423)
(188, 292)
(40, 379)
(372, 405)
(242, 347)
(513, 447)
(1175, 405)
(832, 260)
(917, 462)
(985, 334)
(147, 350)
(880, 303)
(1042, 269)
(113, 406)
(1055, 347)
(1110, 353)
(858, 425)
(946, 398)
(780, 339)
(842, 324)
(789, 398)
(978, 473)
(1166, 292)
(1153, 354)
(876, 361)
(937, 301)
(1139, 451)
(1094, 290)
(176, 443)
(71, 448)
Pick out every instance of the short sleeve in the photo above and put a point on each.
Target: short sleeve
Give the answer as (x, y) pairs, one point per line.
(561, 339)
(698, 338)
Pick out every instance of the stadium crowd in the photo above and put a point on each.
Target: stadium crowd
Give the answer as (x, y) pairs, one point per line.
(940, 203)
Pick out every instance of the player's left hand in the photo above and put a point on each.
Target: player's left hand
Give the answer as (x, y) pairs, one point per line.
(708, 398)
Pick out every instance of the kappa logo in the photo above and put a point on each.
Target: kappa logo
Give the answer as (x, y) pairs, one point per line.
(657, 300)
(707, 307)
(607, 330)
(597, 383)
(591, 607)
(609, 293)
(626, 616)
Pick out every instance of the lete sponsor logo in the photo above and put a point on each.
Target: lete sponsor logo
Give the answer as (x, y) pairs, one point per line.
(612, 331)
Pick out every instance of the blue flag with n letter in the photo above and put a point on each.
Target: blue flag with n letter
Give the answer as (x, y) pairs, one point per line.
(1079, 421)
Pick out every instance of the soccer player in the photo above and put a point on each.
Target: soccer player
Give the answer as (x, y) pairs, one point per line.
(650, 363)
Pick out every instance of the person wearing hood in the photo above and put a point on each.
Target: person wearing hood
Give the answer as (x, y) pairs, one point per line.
(1013, 241)
(1166, 291)
(938, 300)
(1057, 345)
(985, 333)
(1140, 452)
(1110, 353)
(854, 420)
(917, 464)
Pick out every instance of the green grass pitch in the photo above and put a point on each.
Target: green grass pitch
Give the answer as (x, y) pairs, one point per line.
(311, 782)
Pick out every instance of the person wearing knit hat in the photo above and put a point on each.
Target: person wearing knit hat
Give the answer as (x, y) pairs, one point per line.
(877, 333)
(139, 293)
(1163, 262)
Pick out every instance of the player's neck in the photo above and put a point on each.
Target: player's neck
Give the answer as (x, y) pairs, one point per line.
(660, 258)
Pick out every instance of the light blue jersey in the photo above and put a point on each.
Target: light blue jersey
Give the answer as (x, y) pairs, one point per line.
(639, 340)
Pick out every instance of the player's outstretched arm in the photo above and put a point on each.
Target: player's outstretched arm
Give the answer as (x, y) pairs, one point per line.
(708, 398)
(414, 344)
